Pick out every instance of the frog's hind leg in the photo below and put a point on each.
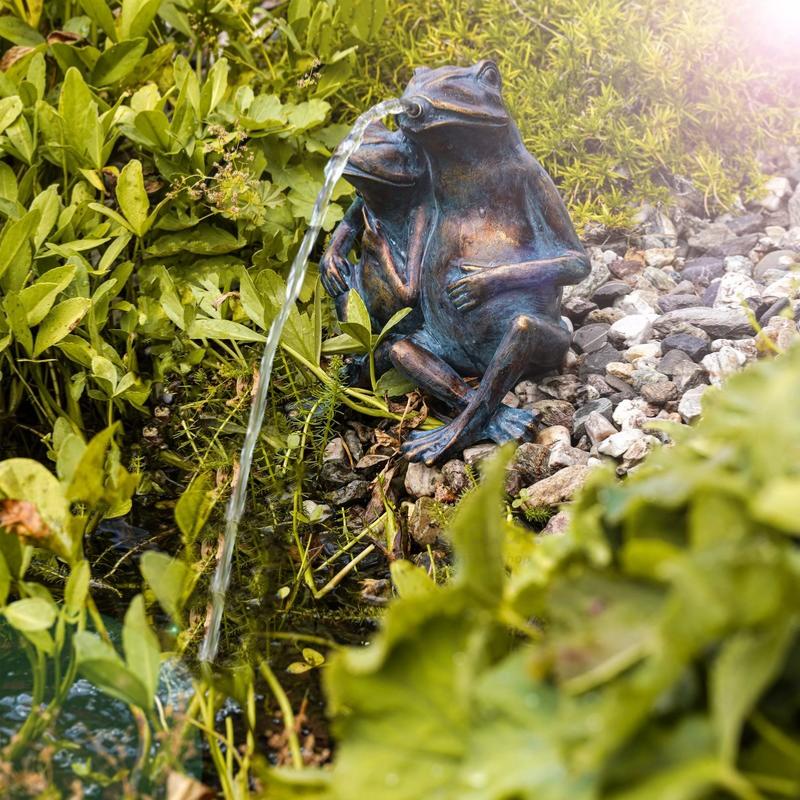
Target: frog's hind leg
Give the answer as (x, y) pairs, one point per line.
(528, 340)
(437, 377)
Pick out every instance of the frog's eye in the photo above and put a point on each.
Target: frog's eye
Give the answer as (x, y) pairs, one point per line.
(490, 75)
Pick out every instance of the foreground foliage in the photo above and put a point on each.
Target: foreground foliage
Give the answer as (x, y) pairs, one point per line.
(666, 661)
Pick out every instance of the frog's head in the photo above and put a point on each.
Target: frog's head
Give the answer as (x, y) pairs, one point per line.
(448, 96)
(384, 159)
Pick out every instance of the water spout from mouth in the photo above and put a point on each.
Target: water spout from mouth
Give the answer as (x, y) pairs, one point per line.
(236, 504)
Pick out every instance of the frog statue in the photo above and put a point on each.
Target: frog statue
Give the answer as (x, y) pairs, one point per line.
(497, 247)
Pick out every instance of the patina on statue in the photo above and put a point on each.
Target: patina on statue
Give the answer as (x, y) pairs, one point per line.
(482, 256)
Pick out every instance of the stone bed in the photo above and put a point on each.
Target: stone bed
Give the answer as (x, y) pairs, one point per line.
(663, 316)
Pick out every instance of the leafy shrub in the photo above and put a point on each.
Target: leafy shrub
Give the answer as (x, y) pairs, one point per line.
(154, 184)
(666, 663)
(615, 98)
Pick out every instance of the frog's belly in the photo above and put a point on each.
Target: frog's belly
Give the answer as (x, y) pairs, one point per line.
(379, 296)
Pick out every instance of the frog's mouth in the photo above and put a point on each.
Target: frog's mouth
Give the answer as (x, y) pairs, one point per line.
(386, 178)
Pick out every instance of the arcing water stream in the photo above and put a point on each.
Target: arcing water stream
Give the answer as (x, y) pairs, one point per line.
(236, 503)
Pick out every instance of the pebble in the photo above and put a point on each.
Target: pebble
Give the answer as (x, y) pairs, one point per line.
(555, 433)
(740, 264)
(778, 259)
(629, 414)
(598, 428)
(557, 525)
(647, 350)
(723, 364)
(639, 301)
(421, 480)
(531, 462)
(602, 406)
(424, 524)
(478, 452)
(720, 323)
(557, 489)
(660, 393)
(775, 189)
(701, 271)
(734, 289)
(554, 412)
(630, 330)
(564, 455)
(659, 256)
(591, 338)
(693, 346)
(616, 444)
(454, 473)
(690, 405)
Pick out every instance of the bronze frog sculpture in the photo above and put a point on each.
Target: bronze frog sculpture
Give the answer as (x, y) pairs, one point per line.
(498, 248)
(391, 217)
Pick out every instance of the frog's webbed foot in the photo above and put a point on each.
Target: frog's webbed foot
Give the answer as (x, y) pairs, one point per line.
(433, 446)
(511, 425)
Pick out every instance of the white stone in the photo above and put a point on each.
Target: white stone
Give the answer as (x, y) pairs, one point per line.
(647, 350)
(633, 329)
(722, 364)
(639, 301)
(421, 480)
(794, 208)
(616, 444)
(563, 455)
(734, 289)
(740, 264)
(659, 256)
(775, 189)
(786, 286)
(690, 406)
(630, 414)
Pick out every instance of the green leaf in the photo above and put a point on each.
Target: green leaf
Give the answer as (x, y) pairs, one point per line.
(5, 580)
(132, 197)
(77, 588)
(48, 206)
(393, 384)
(60, 321)
(170, 580)
(203, 240)
(26, 479)
(776, 504)
(100, 14)
(142, 652)
(394, 320)
(17, 320)
(358, 324)
(10, 109)
(747, 664)
(193, 508)
(39, 298)
(78, 110)
(223, 329)
(19, 32)
(478, 532)
(214, 88)
(117, 62)
(31, 614)
(99, 663)
(15, 248)
(152, 126)
(136, 17)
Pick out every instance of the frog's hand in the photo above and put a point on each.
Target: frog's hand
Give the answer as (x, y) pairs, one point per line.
(334, 266)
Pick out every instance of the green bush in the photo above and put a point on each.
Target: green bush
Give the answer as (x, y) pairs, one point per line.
(615, 98)
(154, 185)
(651, 652)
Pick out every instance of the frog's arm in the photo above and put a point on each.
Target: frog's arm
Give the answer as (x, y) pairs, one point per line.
(344, 236)
(570, 267)
(406, 289)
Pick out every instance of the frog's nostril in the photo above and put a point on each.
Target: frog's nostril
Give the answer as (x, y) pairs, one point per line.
(413, 109)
